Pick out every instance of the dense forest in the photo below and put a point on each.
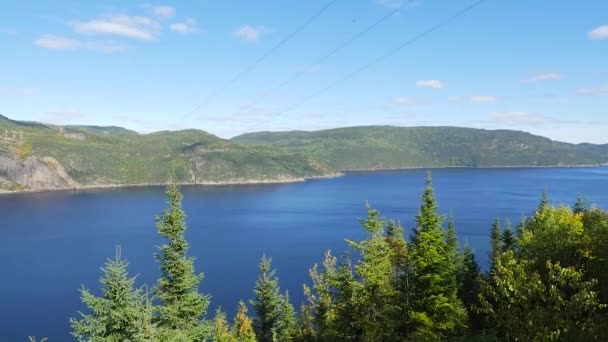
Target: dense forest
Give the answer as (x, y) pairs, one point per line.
(546, 281)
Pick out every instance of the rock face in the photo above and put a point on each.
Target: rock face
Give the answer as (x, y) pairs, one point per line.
(33, 173)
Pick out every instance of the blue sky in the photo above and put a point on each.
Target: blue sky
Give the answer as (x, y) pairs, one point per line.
(539, 66)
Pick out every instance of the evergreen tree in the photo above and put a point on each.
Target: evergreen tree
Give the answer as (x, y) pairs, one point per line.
(507, 238)
(373, 293)
(401, 276)
(221, 328)
(117, 314)
(242, 328)
(182, 306)
(305, 331)
(267, 302)
(495, 244)
(452, 248)
(286, 326)
(437, 311)
(580, 206)
(544, 200)
(469, 285)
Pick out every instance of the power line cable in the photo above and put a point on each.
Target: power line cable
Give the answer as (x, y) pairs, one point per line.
(263, 57)
(335, 50)
(384, 56)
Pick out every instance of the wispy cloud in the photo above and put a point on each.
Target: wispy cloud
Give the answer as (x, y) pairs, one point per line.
(162, 11)
(135, 27)
(598, 33)
(250, 34)
(434, 84)
(61, 43)
(407, 101)
(595, 91)
(18, 91)
(474, 98)
(521, 119)
(549, 76)
(188, 26)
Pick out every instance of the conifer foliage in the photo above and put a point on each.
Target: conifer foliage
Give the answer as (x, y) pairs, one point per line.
(118, 314)
(182, 308)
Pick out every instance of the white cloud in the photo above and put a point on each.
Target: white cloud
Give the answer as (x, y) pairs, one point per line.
(17, 91)
(434, 84)
(56, 43)
(549, 76)
(188, 26)
(61, 43)
(601, 90)
(482, 98)
(473, 98)
(120, 25)
(249, 33)
(521, 119)
(598, 33)
(406, 101)
(163, 11)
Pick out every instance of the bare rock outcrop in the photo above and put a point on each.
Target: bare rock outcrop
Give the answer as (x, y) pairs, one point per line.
(33, 173)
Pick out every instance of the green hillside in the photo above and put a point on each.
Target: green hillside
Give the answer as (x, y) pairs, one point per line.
(377, 147)
(36, 156)
(97, 156)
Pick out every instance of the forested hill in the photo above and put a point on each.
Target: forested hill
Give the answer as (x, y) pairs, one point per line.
(381, 147)
(37, 156)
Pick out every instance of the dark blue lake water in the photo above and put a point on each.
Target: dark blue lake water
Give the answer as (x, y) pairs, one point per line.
(52, 243)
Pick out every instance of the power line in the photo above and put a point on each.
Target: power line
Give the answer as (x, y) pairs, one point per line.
(335, 50)
(384, 56)
(258, 61)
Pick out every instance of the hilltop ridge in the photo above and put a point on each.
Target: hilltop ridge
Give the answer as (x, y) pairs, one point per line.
(37, 156)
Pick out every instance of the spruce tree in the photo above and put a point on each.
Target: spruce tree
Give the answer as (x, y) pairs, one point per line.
(507, 238)
(469, 285)
(580, 206)
(401, 276)
(242, 327)
(117, 314)
(495, 244)
(452, 248)
(437, 311)
(267, 302)
(221, 328)
(182, 306)
(286, 326)
(305, 331)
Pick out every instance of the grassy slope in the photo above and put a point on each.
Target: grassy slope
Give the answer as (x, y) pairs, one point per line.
(392, 147)
(112, 155)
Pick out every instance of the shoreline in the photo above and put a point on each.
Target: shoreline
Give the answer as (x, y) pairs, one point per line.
(203, 183)
(287, 180)
(473, 167)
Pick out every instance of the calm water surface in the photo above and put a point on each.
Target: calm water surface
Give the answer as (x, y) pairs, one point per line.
(53, 243)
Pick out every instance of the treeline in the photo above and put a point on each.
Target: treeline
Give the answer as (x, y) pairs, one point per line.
(547, 281)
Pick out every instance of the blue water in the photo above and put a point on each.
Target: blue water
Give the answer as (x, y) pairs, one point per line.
(52, 243)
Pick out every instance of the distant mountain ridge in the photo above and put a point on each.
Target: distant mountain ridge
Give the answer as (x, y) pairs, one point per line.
(37, 156)
(381, 147)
